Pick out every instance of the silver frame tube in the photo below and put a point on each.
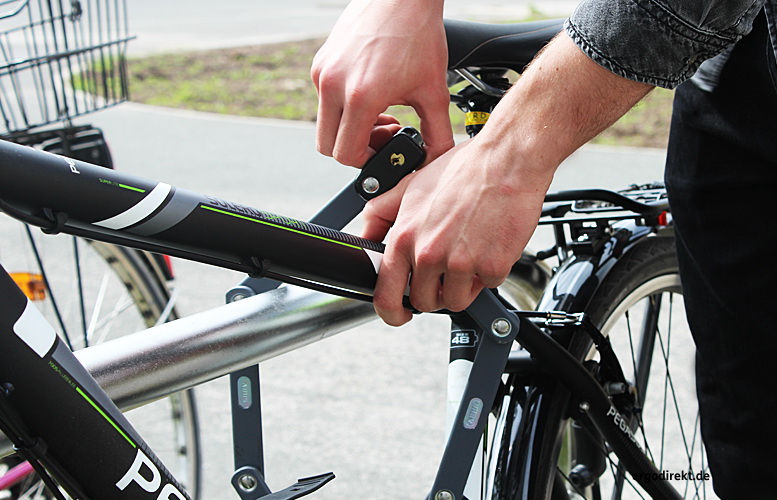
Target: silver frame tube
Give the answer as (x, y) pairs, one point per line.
(143, 367)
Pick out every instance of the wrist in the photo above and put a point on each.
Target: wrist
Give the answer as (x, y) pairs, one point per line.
(411, 14)
(561, 101)
(512, 161)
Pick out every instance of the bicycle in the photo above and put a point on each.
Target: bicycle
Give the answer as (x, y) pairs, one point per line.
(58, 61)
(571, 397)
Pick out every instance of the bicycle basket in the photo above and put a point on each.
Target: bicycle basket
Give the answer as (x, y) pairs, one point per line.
(60, 59)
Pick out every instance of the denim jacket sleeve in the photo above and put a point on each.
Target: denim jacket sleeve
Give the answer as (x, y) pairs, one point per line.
(659, 42)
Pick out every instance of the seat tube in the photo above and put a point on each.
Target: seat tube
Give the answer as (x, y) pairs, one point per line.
(463, 347)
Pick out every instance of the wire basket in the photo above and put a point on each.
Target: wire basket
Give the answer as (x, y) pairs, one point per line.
(60, 59)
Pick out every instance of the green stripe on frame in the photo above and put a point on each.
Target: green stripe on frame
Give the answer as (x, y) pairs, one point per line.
(279, 227)
(106, 417)
(131, 188)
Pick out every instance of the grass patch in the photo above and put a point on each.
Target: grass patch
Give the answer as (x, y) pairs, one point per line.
(269, 81)
(273, 81)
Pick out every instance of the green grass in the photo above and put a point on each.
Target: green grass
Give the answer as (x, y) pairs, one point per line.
(273, 81)
(269, 81)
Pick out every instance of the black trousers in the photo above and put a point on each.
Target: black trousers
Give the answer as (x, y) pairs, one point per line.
(722, 180)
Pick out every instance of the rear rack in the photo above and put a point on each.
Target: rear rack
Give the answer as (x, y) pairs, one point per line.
(647, 201)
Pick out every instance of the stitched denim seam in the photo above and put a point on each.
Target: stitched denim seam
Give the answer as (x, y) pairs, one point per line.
(684, 28)
(613, 65)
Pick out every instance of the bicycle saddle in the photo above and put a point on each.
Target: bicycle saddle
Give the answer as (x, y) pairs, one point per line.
(510, 46)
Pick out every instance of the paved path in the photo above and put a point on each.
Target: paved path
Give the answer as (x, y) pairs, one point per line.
(367, 404)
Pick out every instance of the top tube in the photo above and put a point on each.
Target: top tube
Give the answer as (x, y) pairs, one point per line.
(70, 196)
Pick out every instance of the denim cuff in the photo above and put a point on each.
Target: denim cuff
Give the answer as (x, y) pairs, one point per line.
(645, 41)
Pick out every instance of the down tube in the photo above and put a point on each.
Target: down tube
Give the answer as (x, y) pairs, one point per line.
(86, 200)
(89, 446)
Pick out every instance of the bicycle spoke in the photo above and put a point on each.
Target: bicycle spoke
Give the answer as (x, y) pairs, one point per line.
(97, 306)
(670, 382)
(569, 481)
(80, 288)
(638, 382)
(164, 316)
(46, 283)
(105, 325)
(620, 473)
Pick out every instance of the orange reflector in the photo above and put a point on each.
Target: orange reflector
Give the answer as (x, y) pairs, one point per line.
(31, 284)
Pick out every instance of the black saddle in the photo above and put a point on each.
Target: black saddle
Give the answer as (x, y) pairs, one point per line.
(510, 46)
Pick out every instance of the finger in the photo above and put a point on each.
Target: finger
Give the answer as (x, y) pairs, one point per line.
(459, 289)
(435, 125)
(386, 119)
(353, 136)
(380, 213)
(488, 281)
(381, 135)
(390, 289)
(376, 225)
(426, 288)
(327, 123)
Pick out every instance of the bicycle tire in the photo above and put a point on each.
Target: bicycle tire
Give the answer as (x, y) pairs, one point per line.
(572, 459)
(125, 290)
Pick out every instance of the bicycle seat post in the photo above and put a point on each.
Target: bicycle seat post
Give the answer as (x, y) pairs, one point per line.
(496, 330)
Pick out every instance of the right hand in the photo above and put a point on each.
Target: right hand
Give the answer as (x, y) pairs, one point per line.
(454, 227)
(382, 53)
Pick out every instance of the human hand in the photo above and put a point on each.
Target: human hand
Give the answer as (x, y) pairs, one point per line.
(454, 227)
(381, 53)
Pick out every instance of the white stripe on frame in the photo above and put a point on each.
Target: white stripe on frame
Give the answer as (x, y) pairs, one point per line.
(139, 211)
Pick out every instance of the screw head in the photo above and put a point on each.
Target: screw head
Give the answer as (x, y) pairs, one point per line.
(370, 185)
(247, 482)
(239, 296)
(501, 327)
(443, 495)
(584, 406)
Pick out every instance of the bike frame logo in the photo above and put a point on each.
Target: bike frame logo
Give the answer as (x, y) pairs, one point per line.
(622, 424)
(146, 475)
(72, 165)
(70, 162)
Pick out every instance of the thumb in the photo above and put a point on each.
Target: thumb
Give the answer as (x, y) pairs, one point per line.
(381, 212)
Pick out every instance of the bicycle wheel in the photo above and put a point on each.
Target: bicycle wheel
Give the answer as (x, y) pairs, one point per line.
(639, 308)
(92, 292)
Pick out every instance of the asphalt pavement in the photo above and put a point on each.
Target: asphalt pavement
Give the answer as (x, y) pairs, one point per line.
(367, 404)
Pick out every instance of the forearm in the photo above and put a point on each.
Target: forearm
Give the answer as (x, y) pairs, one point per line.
(562, 100)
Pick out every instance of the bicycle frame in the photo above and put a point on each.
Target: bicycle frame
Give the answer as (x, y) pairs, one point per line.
(135, 212)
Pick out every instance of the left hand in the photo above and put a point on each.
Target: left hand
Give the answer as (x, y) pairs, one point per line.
(382, 53)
